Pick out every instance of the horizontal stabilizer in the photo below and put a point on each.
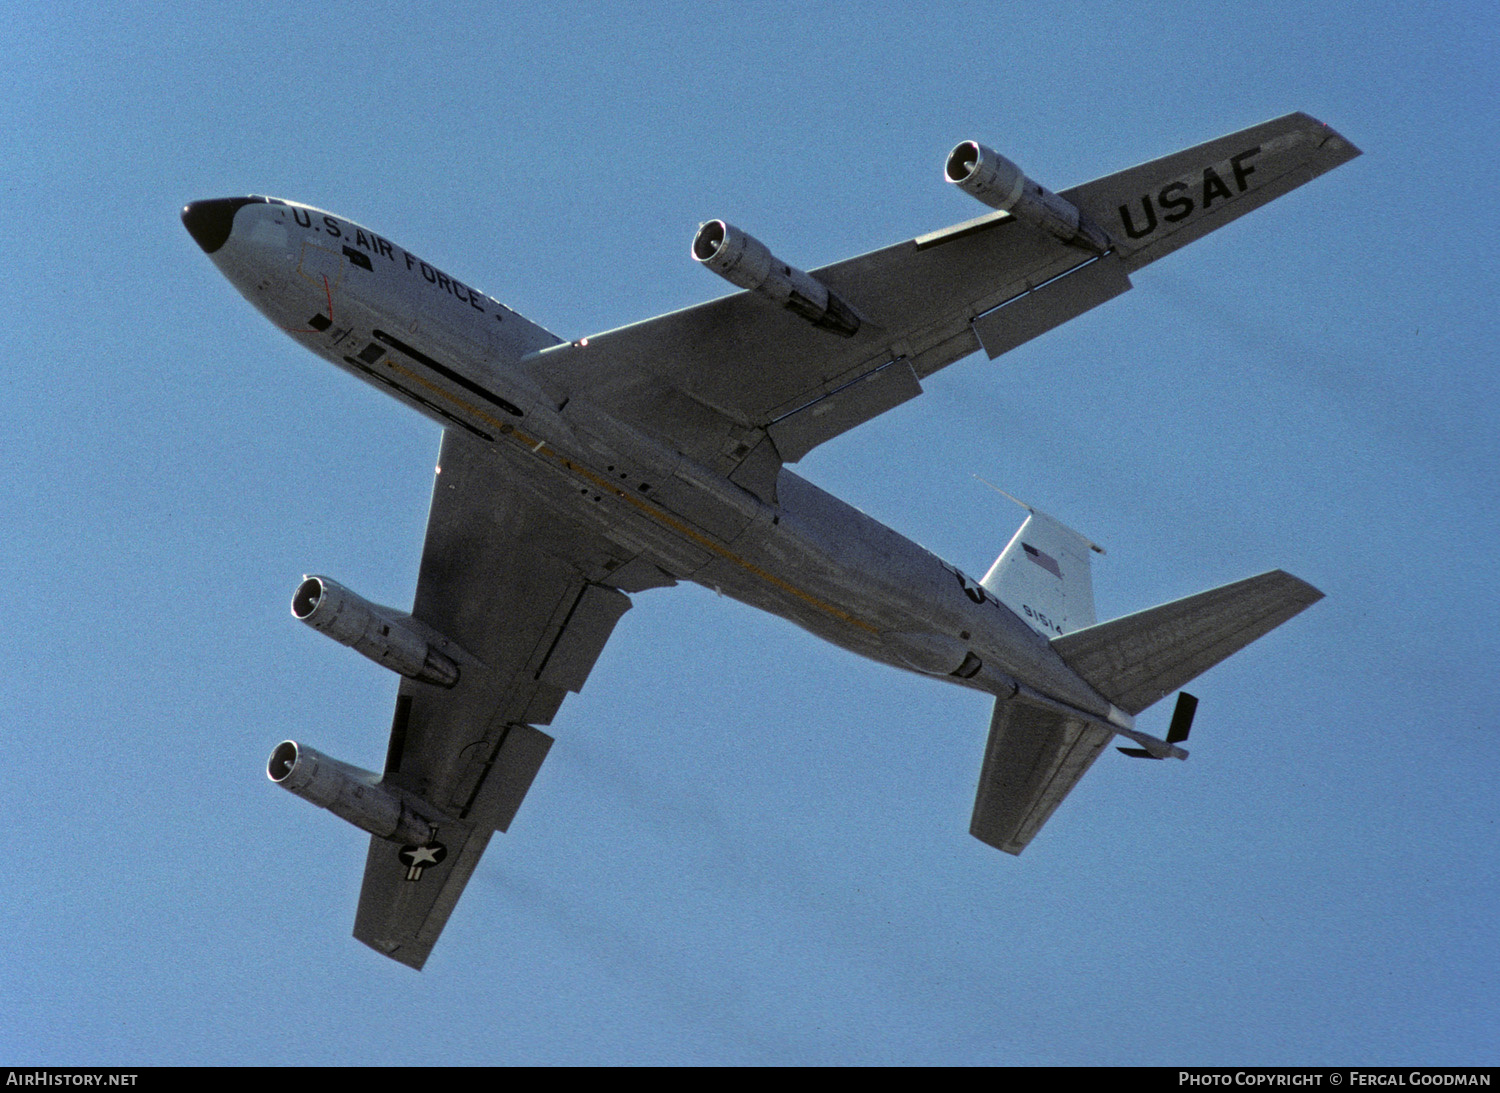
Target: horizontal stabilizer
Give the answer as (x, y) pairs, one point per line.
(1136, 660)
(1034, 757)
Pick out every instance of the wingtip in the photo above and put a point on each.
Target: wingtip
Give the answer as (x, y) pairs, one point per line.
(412, 956)
(1297, 589)
(1329, 140)
(1335, 143)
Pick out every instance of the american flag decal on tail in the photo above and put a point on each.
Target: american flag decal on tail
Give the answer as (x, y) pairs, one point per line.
(1046, 561)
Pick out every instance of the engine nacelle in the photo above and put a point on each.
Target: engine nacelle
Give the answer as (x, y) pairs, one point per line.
(349, 792)
(987, 175)
(387, 637)
(743, 260)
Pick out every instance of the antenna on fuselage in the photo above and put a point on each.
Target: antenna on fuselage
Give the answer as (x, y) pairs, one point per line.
(1033, 509)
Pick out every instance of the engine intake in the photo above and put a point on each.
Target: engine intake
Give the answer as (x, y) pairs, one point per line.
(985, 174)
(355, 795)
(743, 260)
(389, 638)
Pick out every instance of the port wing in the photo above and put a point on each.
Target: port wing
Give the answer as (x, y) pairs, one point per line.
(744, 380)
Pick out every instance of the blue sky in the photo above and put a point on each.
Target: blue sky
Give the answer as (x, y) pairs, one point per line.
(747, 846)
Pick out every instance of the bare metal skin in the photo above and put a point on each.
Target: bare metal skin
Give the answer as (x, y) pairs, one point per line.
(575, 474)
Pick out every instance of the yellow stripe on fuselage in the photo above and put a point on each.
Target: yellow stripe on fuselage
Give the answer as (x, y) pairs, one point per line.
(539, 447)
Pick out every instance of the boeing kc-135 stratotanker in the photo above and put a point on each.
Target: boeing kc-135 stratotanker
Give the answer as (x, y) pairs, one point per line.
(575, 474)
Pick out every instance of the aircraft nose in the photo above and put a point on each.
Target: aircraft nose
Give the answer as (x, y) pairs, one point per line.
(209, 222)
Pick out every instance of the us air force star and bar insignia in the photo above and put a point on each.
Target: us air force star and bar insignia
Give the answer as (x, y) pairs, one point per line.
(972, 588)
(417, 858)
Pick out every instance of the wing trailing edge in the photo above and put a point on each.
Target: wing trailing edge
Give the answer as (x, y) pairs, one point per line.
(410, 891)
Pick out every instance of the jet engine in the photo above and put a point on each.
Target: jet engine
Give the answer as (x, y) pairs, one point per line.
(389, 638)
(987, 175)
(355, 795)
(743, 260)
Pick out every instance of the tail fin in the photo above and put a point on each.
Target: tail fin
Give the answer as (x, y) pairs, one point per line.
(1036, 754)
(1135, 660)
(1153, 209)
(1043, 576)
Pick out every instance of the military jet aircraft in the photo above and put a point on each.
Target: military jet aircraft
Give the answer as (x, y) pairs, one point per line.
(574, 474)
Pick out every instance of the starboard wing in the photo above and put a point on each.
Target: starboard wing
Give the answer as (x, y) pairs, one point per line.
(521, 591)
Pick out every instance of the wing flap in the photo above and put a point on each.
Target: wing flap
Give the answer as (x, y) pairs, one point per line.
(856, 402)
(406, 897)
(583, 635)
(1017, 321)
(1136, 660)
(1032, 760)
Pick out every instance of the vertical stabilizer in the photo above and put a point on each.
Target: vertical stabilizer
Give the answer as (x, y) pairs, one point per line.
(1043, 576)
